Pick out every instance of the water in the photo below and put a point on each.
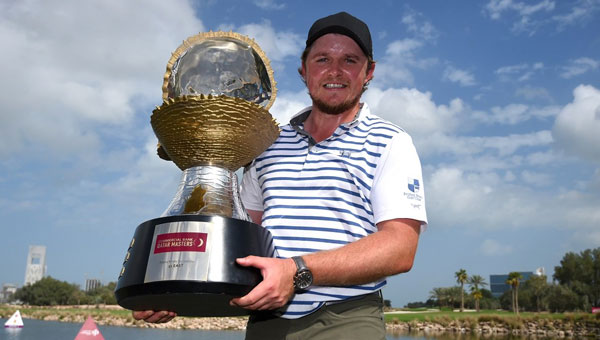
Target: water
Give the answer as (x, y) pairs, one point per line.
(51, 330)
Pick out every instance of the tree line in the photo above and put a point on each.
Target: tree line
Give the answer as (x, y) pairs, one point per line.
(575, 286)
(50, 292)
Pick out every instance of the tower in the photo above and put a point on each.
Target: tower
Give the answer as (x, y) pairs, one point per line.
(36, 264)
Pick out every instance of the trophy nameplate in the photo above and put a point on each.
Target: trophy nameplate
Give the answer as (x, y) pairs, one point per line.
(214, 119)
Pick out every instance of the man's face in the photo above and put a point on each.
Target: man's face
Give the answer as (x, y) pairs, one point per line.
(335, 72)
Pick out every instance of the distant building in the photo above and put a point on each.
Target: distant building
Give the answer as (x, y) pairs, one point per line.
(91, 284)
(498, 283)
(8, 289)
(36, 264)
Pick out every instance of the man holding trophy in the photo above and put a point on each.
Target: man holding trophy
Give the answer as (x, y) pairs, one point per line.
(341, 192)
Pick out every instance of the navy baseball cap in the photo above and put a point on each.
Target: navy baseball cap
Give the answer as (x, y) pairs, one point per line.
(346, 24)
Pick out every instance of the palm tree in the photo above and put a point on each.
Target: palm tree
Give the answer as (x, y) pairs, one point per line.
(513, 281)
(475, 281)
(476, 294)
(440, 295)
(461, 277)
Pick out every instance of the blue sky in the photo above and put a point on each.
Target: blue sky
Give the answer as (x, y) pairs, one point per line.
(502, 99)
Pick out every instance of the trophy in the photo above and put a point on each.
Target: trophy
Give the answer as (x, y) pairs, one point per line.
(214, 119)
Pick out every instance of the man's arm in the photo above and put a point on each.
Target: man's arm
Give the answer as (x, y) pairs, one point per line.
(390, 250)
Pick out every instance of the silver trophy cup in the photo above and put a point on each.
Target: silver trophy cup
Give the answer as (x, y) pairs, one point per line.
(214, 119)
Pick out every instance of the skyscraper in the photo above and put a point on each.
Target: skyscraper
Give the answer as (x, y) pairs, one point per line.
(36, 264)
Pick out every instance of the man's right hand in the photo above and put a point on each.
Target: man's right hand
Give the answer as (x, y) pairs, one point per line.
(154, 316)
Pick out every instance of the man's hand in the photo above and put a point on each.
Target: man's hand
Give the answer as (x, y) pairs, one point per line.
(154, 316)
(276, 288)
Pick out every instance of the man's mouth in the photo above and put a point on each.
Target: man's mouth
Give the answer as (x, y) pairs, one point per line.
(334, 86)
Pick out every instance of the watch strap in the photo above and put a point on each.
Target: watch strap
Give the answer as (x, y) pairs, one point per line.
(300, 264)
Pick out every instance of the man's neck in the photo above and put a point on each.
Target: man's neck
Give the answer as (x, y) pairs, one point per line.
(321, 125)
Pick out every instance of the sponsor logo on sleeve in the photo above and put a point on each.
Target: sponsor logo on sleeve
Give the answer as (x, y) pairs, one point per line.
(414, 187)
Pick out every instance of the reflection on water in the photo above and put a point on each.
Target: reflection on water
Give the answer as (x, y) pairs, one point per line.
(53, 330)
(49, 330)
(463, 336)
(11, 333)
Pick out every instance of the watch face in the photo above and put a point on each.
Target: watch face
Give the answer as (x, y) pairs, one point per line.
(303, 279)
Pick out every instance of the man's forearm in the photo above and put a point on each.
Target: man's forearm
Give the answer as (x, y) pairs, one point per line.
(389, 251)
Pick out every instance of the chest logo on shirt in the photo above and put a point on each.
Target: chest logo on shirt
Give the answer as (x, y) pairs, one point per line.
(345, 153)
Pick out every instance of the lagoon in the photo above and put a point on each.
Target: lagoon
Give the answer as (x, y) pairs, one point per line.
(54, 330)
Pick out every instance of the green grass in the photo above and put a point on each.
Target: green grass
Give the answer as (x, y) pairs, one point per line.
(7, 311)
(484, 315)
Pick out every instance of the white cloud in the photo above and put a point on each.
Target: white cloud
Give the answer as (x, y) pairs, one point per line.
(510, 114)
(519, 72)
(462, 77)
(144, 169)
(269, 4)
(513, 114)
(523, 10)
(482, 200)
(288, 104)
(435, 128)
(582, 12)
(76, 64)
(531, 93)
(512, 69)
(530, 17)
(403, 48)
(484, 179)
(536, 179)
(276, 45)
(542, 158)
(507, 145)
(478, 200)
(579, 66)
(414, 110)
(417, 25)
(494, 248)
(576, 127)
(395, 67)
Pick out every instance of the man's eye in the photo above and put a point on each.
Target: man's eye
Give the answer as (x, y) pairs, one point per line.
(350, 61)
(321, 60)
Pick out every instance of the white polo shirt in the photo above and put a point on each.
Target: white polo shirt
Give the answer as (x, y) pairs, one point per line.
(320, 196)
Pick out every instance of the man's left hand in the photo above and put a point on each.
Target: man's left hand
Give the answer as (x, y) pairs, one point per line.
(276, 288)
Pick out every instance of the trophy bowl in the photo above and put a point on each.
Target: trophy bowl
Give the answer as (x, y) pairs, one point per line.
(214, 119)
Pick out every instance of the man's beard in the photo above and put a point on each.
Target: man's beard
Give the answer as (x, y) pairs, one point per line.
(334, 109)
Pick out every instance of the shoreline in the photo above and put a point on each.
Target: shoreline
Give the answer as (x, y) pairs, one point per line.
(480, 325)
(545, 329)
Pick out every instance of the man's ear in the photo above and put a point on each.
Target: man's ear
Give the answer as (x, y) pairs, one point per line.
(302, 72)
(370, 72)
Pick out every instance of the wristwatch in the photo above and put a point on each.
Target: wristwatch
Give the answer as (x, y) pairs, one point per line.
(303, 278)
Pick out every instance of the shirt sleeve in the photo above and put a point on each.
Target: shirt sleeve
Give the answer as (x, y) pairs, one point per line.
(250, 191)
(398, 190)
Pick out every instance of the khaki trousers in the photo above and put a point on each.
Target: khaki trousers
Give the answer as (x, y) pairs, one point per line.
(359, 318)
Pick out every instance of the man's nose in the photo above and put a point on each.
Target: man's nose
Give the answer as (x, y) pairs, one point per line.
(335, 68)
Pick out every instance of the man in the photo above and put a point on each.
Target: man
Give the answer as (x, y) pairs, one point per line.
(334, 192)
(341, 192)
